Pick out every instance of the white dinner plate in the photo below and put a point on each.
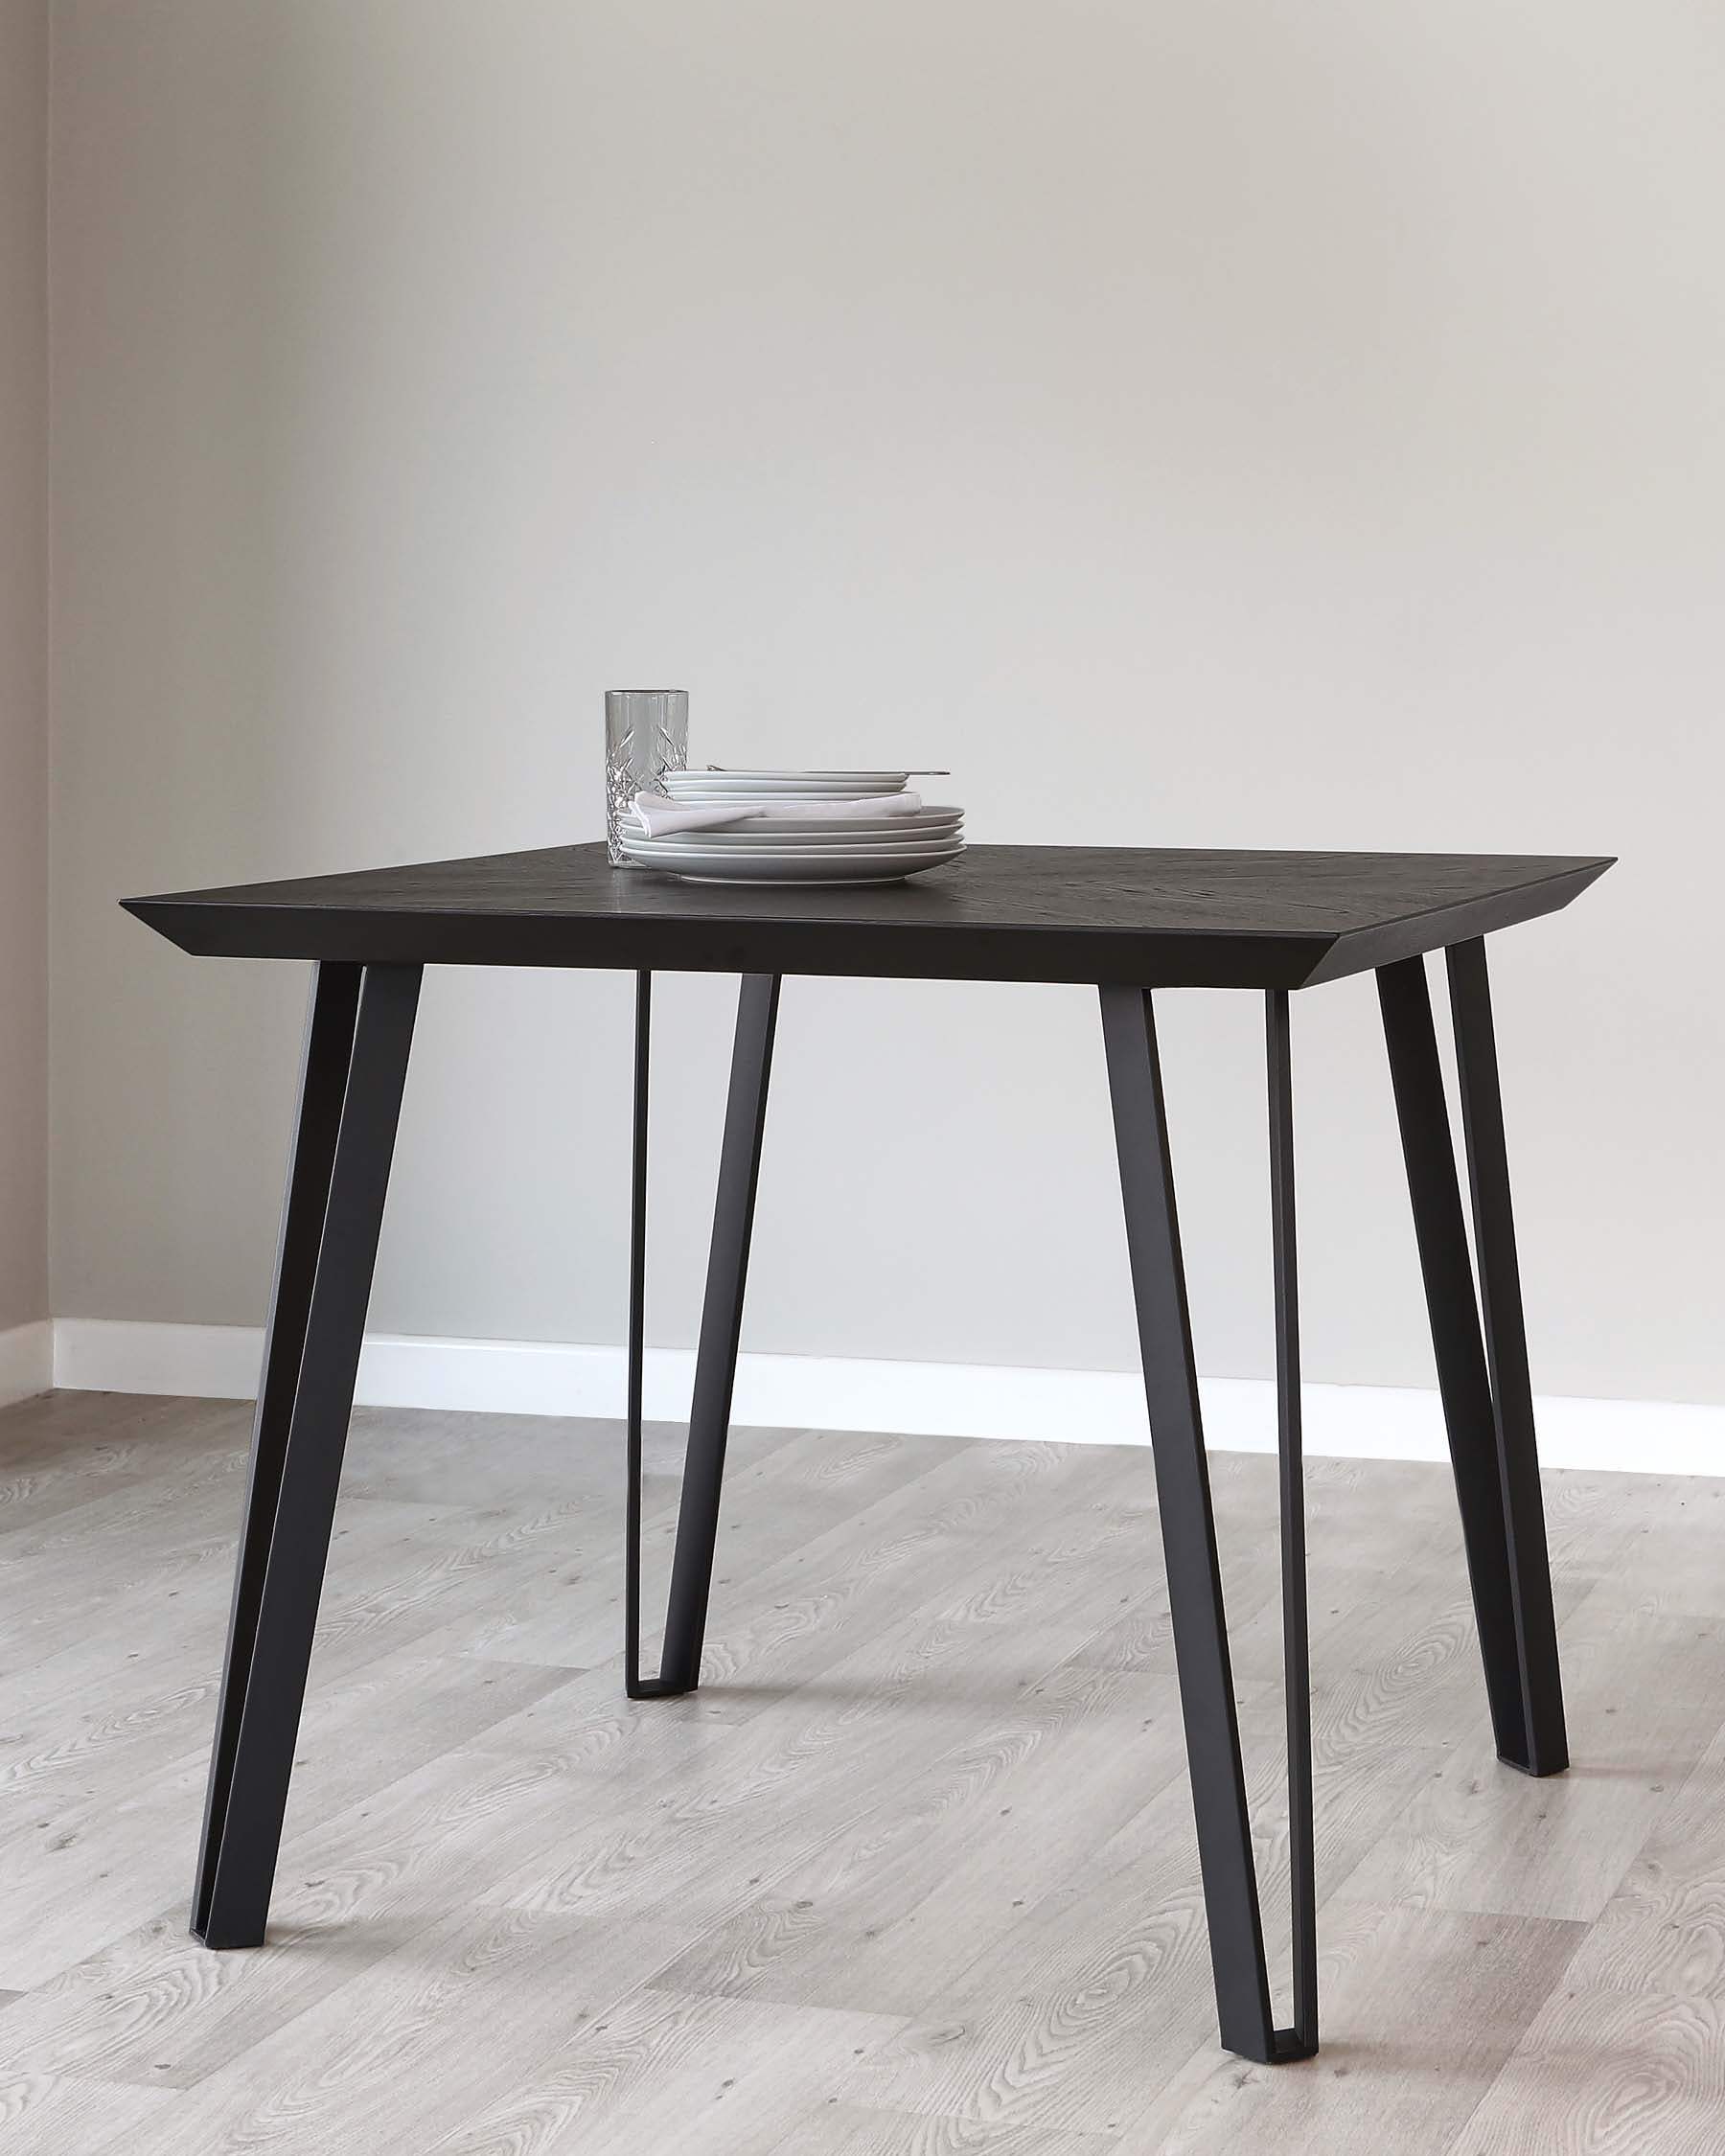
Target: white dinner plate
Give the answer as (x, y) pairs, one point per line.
(887, 782)
(798, 842)
(826, 883)
(817, 782)
(839, 830)
(885, 842)
(696, 869)
(713, 796)
(766, 786)
(794, 863)
(781, 868)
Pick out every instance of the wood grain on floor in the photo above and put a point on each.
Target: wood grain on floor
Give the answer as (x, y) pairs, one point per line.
(913, 1874)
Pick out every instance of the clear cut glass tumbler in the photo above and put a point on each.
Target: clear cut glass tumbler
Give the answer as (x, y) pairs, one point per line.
(646, 735)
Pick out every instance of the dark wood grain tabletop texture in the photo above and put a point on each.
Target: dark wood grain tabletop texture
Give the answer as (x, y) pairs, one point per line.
(1134, 915)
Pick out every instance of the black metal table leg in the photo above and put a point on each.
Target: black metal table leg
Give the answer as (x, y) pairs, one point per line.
(1541, 1679)
(1188, 1530)
(1487, 1402)
(329, 1043)
(720, 1330)
(358, 1040)
(634, 1684)
(1300, 2041)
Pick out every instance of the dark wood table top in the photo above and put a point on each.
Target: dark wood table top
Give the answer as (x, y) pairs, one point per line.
(1131, 915)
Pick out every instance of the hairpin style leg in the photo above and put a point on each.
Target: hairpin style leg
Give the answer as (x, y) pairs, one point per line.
(716, 1356)
(1189, 1538)
(358, 1038)
(1487, 1400)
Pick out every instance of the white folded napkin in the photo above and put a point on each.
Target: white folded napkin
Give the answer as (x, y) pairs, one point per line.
(660, 814)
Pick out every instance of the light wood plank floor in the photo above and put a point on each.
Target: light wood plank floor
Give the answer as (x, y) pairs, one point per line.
(914, 1875)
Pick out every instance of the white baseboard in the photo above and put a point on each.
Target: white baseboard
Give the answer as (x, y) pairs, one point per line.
(26, 1360)
(934, 1399)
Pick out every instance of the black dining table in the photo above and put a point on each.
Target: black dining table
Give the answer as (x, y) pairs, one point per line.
(1127, 921)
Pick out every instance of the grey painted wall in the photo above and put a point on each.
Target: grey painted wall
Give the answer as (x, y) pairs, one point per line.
(23, 658)
(1222, 424)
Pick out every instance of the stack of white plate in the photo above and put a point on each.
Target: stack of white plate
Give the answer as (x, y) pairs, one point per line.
(778, 845)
